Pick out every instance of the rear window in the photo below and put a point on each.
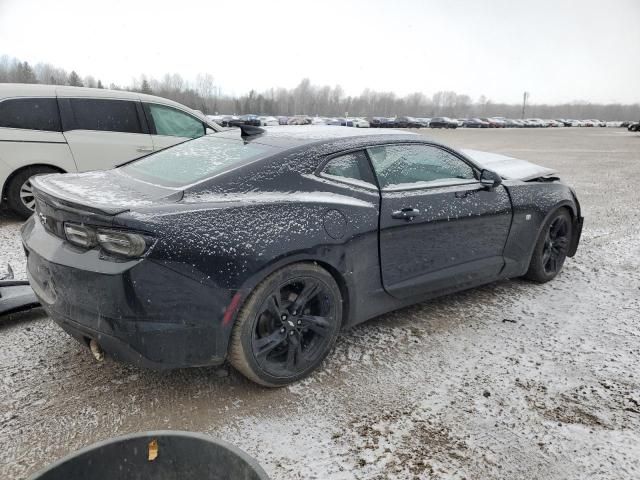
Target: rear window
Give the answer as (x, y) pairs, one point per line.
(30, 113)
(104, 115)
(195, 160)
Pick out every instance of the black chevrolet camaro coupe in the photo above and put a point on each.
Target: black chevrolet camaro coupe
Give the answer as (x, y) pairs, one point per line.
(257, 246)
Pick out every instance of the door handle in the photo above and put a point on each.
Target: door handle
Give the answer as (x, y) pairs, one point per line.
(406, 213)
(145, 149)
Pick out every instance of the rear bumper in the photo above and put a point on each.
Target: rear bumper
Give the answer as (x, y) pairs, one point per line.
(140, 311)
(159, 350)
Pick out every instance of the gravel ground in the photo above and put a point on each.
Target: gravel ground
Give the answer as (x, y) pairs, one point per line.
(511, 380)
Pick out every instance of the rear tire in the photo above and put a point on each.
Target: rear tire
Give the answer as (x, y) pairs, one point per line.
(19, 192)
(551, 248)
(287, 326)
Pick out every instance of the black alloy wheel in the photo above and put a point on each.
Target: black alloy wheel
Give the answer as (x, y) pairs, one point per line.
(556, 245)
(287, 326)
(551, 248)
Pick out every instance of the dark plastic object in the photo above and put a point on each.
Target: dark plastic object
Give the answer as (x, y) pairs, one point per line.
(15, 296)
(250, 130)
(180, 456)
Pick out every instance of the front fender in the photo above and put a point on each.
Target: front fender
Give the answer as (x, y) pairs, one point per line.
(533, 203)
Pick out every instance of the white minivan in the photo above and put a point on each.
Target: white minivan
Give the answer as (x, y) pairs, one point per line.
(51, 128)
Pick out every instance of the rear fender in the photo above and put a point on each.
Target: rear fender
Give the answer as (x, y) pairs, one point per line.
(333, 262)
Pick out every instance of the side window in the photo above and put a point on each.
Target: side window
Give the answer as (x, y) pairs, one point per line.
(403, 165)
(30, 113)
(351, 168)
(174, 123)
(104, 115)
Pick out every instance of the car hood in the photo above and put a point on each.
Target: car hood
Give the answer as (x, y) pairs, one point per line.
(110, 191)
(509, 168)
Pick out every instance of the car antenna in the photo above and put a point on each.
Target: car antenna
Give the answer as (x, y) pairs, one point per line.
(250, 130)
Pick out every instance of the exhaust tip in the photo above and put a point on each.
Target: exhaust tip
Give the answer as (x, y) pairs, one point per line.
(96, 350)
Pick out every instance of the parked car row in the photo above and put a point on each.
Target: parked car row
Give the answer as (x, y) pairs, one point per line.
(409, 122)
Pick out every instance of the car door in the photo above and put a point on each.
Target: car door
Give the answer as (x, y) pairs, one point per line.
(104, 132)
(170, 126)
(440, 229)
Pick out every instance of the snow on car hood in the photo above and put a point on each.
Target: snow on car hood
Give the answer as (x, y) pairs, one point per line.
(508, 168)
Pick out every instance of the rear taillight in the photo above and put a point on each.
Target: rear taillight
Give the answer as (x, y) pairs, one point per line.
(115, 242)
(80, 235)
(122, 243)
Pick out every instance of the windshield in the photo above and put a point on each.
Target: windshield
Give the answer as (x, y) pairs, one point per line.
(195, 160)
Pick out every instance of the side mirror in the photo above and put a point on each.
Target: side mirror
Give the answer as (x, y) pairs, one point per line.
(490, 179)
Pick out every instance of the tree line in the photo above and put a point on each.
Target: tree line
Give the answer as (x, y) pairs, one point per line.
(308, 99)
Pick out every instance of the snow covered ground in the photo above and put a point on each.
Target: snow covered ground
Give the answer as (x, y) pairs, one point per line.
(512, 380)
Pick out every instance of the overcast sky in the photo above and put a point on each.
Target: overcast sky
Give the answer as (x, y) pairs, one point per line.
(557, 50)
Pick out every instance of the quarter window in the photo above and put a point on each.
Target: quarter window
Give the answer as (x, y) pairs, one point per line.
(104, 115)
(174, 123)
(30, 113)
(403, 166)
(350, 167)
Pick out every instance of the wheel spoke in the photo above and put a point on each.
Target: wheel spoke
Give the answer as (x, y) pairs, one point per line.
(273, 305)
(311, 289)
(561, 243)
(26, 195)
(319, 325)
(264, 345)
(294, 352)
(557, 228)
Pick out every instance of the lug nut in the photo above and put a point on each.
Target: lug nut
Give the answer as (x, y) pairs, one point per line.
(282, 330)
(299, 322)
(291, 332)
(284, 317)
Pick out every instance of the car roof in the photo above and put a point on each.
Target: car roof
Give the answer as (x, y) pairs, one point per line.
(9, 90)
(291, 136)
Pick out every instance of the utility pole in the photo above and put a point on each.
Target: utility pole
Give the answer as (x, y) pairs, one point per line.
(525, 97)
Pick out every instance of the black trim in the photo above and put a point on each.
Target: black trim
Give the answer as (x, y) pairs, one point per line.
(59, 115)
(66, 114)
(575, 239)
(149, 118)
(470, 181)
(142, 118)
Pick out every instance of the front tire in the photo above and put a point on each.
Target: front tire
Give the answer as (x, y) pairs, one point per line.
(20, 193)
(287, 326)
(551, 248)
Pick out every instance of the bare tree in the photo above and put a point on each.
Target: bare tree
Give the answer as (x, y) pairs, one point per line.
(309, 99)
